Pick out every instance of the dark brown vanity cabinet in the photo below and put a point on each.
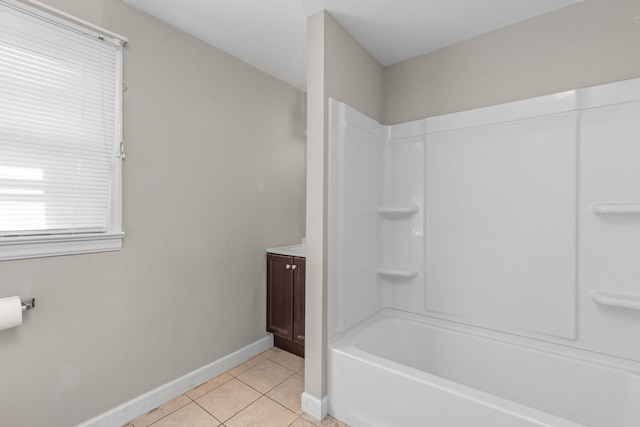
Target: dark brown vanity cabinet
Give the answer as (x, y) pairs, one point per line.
(285, 302)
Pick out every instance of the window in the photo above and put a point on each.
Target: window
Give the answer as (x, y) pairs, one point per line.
(60, 135)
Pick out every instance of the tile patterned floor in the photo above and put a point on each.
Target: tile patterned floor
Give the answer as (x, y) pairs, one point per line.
(262, 392)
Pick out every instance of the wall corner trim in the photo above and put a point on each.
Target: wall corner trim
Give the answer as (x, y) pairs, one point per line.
(313, 406)
(128, 411)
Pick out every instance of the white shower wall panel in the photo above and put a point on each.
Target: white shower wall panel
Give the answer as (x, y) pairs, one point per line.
(522, 218)
(610, 243)
(355, 175)
(403, 166)
(501, 230)
(402, 234)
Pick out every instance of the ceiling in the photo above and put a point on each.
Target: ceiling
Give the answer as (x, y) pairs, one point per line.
(271, 35)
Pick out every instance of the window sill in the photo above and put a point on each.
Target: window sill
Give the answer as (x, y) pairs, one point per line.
(39, 246)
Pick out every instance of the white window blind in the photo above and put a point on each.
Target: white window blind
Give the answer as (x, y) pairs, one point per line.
(60, 126)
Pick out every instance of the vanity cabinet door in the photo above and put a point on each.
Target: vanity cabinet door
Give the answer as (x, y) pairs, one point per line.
(298, 300)
(280, 295)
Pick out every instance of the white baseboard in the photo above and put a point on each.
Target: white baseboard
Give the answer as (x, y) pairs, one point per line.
(144, 403)
(313, 406)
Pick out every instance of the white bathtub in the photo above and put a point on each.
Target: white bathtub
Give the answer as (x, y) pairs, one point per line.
(398, 369)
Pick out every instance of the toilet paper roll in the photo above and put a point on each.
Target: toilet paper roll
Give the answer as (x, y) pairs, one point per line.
(10, 312)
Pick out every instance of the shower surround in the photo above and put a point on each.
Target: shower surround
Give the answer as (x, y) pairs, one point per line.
(483, 264)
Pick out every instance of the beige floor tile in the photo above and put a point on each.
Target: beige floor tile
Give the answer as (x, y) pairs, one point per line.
(301, 422)
(289, 361)
(328, 421)
(272, 352)
(263, 413)
(208, 386)
(288, 393)
(243, 367)
(228, 399)
(265, 376)
(161, 411)
(190, 415)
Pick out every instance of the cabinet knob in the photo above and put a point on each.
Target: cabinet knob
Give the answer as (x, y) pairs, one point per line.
(293, 267)
(288, 266)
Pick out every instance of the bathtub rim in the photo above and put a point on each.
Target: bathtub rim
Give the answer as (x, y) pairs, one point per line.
(347, 340)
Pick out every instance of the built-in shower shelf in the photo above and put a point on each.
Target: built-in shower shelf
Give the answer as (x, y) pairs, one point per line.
(616, 299)
(616, 208)
(398, 210)
(397, 271)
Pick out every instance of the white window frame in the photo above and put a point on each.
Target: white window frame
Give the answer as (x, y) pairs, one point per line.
(20, 247)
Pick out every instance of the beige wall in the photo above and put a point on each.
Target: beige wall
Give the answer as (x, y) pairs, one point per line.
(202, 132)
(351, 74)
(586, 44)
(340, 68)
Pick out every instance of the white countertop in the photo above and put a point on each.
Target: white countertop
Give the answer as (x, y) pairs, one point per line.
(291, 250)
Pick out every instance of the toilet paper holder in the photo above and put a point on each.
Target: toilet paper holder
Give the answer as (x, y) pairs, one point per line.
(28, 304)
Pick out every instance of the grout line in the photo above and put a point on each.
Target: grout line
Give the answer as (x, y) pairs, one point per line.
(288, 409)
(292, 422)
(149, 425)
(219, 385)
(205, 410)
(243, 408)
(271, 389)
(254, 366)
(236, 376)
(292, 374)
